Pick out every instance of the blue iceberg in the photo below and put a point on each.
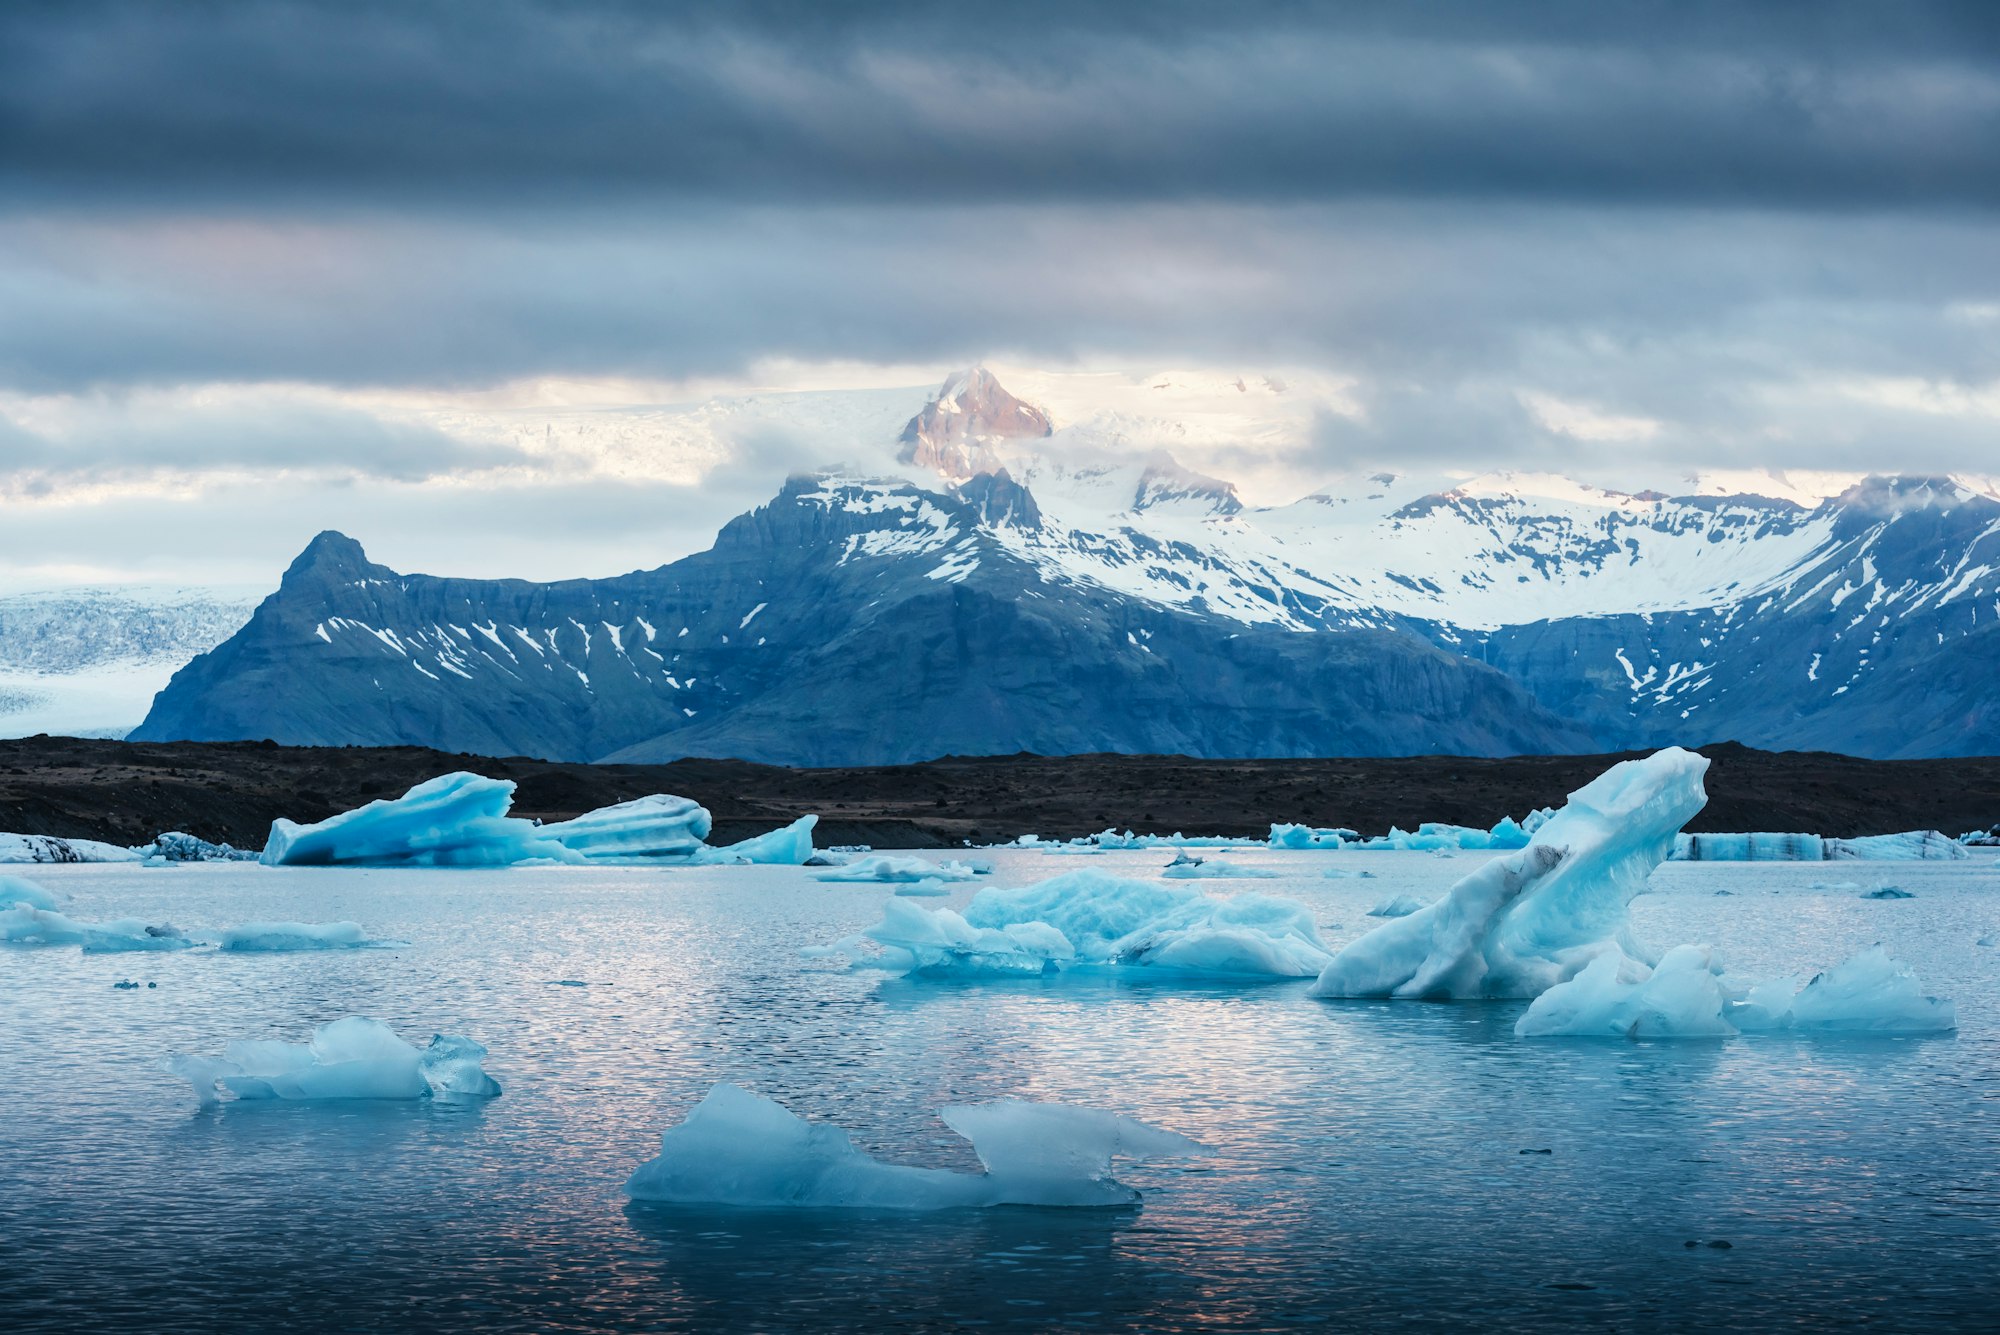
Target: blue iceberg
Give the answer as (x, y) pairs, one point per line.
(354, 1058)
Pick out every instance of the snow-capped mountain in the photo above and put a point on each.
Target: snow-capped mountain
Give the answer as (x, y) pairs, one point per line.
(88, 661)
(1009, 575)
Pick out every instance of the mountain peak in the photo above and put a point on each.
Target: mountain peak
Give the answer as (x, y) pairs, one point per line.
(954, 432)
(331, 552)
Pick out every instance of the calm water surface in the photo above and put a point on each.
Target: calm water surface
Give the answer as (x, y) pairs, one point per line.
(1374, 1165)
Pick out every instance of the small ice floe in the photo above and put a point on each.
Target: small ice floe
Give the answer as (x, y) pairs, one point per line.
(127, 935)
(17, 891)
(1088, 920)
(1347, 874)
(1396, 906)
(736, 1148)
(924, 890)
(354, 1058)
(34, 920)
(887, 869)
(1189, 868)
(273, 937)
(1888, 892)
(1835, 885)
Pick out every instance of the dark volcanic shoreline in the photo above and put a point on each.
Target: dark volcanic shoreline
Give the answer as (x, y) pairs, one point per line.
(127, 792)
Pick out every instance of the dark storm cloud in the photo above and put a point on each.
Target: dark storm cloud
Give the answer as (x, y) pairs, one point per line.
(496, 104)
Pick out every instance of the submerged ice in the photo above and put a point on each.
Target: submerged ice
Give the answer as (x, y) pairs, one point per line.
(1088, 919)
(736, 1148)
(354, 1058)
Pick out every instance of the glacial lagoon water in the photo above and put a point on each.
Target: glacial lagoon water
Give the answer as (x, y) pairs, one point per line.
(1374, 1165)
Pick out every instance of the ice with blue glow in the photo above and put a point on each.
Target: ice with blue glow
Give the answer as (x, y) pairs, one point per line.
(16, 890)
(736, 1148)
(461, 820)
(1533, 918)
(1088, 920)
(354, 1058)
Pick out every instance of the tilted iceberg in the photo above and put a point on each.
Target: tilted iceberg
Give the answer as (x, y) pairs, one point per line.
(736, 1148)
(1086, 919)
(892, 870)
(461, 820)
(1522, 923)
(790, 846)
(354, 1058)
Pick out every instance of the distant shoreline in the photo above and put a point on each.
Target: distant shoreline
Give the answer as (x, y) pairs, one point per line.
(128, 792)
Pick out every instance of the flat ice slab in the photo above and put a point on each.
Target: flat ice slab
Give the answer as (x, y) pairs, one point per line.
(354, 1058)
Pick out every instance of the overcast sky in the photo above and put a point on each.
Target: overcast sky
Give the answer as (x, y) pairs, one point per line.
(258, 261)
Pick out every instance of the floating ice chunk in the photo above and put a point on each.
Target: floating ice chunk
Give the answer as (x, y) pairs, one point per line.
(14, 890)
(1617, 997)
(1834, 885)
(126, 935)
(646, 828)
(791, 846)
(174, 846)
(736, 1148)
(1347, 874)
(354, 1058)
(273, 937)
(26, 925)
(887, 869)
(1088, 919)
(924, 890)
(1307, 836)
(17, 848)
(1186, 868)
(1909, 846)
(1869, 993)
(1396, 906)
(1888, 892)
(455, 820)
(1524, 922)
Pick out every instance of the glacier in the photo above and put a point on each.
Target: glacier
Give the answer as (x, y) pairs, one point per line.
(352, 1058)
(460, 820)
(1086, 919)
(736, 1148)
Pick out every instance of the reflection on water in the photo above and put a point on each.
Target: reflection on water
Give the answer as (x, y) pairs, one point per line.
(1373, 1165)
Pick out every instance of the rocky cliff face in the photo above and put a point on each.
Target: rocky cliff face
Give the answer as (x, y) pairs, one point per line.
(955, 433)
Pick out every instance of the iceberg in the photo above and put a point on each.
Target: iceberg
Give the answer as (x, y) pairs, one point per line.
(126, 935)
(18, 848)
(26, 925)
(1396, 906)
(1307, 836)
(736, 1148)
(1617, 997)
(14, 890)
(273, 937)
(1687, 996)
(791, 846)
(659, 826)
(1869, 993)
(354, 1058)
(454, 820)
(1536, 917)
(1086, 919)
(1185, 868)
(1910, 846)
(893, 870)
(461, 820)
(173, 846)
